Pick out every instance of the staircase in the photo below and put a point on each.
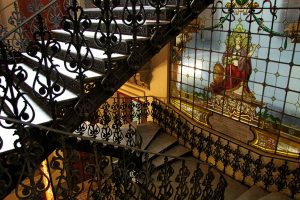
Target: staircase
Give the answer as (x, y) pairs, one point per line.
(59, 80)
(53, 104)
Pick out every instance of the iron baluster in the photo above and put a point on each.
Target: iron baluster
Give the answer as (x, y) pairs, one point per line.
(107, 36)
(208, 147)
(144, 178)
(220, 189)
(207, 192)
(268, 177)
(82, 60)
(117, 123)
(182, 189)
(165, 187)
(294, 184)
(135, 19)
(93, 130)
(226, 156)
(157, 37)
(99, 185)
(256, 172)
(246, 165)
(235, 162)
(217, 151)
(282, 178)
(196, 190)
(70, 181)
(105, 118)
(47, 90)
(30, 152)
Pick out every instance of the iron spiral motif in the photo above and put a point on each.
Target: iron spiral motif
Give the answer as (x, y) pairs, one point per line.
(134, 17)
(13, 101)
(44, 48)
(165, 189)
(82, 59)
(182, 189)
(36, 181)
(100, 186)
(70, 180)
(196, 189)
(158, 34)
(107, 35)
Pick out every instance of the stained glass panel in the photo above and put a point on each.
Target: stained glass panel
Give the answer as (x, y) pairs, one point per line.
(242, 59)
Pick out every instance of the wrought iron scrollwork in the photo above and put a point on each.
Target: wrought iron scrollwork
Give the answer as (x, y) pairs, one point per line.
(165, 189)
(70, 182)
(158, 35)
(146, 180)
(207, 192)
(134, 16)
(100, 187)
(196, 189)
(107, 36)
(78, 53)
(13, 101)
(52, 86)
(182, 189)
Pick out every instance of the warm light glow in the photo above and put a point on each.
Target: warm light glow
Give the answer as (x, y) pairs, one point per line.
(49, 193)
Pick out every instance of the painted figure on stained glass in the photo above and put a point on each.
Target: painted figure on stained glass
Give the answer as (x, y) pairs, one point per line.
(233, 74)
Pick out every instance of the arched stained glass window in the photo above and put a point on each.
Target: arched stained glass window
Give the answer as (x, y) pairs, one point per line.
(241, 59)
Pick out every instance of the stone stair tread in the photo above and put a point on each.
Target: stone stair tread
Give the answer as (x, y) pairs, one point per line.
(176, 151)
(90, 34)
(118, 9)
(160, 143)
(253, 193)
(275, 196)
(97, 53)
(147, 131)
(63, 70)
(147, 22)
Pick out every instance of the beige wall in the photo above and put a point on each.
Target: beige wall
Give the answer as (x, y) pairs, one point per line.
(6, 13)
(159, 82)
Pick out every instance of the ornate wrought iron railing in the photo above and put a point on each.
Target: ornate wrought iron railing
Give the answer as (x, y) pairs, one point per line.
(62, 82)
(91, 174)
(240, 161)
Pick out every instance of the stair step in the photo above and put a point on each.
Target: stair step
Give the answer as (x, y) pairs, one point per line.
(97, 53)
(63, 70)
(275, 196)
(161, 142)
(122, 48)
(7, 134)
(100, 58)
(145, 30)
(144, 3)
(166, 12)
(253, 193)
(176, 151)
(31, 77)
(147, 131)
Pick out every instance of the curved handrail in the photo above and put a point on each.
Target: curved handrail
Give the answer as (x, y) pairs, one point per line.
(231, 139)
(86, 138)
(27, 20)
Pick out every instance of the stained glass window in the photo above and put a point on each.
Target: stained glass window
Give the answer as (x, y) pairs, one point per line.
(241, 59)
